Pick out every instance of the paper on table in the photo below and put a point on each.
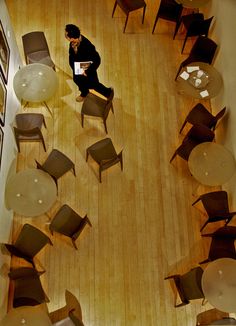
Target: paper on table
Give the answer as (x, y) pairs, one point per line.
(184, 75)
(204, 93)
(192, 68)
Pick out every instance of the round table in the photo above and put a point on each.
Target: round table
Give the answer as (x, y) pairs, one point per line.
(215, 82)
(211, 164)
(219, 284)
(192, 3)
(30, 192)
(35, 83)
(27, 315)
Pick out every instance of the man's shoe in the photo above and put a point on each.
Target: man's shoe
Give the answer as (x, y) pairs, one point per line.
(80, 98)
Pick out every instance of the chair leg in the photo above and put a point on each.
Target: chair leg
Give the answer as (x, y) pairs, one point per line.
(154, 26)
(126, 21)
(204, 226)
(121, 161)
(195, 202)
(44, 146)
(100, 174)
(73, 169)
(74, 244)
(114, 8)
(204, 261)
(144, 10)
(177, 28)
(184, 43)
(82, 120)
(175, 153)
(105, 125)
(44, 123)
(87, 155)
(183, 126)
(180, 67)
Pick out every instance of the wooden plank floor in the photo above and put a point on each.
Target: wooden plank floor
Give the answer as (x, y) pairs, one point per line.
(144, 227)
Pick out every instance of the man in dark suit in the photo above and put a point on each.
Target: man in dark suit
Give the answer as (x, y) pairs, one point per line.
(82, 50)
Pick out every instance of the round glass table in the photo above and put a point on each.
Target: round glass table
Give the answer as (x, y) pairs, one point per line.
(219, 284)
(211, 164)
(26, 315)
(35, 83)
(30, 192)
(206, 86)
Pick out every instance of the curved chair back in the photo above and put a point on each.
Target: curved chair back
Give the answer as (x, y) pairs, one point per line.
(169, 10)
(29, 242)
(56, 164)
(36, 48)
(129, 5)
(28, 290)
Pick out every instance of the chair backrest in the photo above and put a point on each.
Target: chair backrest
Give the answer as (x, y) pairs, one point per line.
(215, 203)
(200, 133)
(170, 10)
(199, 27)
(191, 284)
(28, 290)
(34, 42)
(220, 115)
(203, 50)
(209, 316)
(56, 164)
(31, 240)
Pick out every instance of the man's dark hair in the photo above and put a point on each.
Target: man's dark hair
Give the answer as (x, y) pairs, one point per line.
(73, 31)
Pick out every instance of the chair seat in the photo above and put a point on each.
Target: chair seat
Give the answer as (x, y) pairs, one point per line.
(102, 150)
(200, 115)
(57, 164)
(187, 20)
(62, 224)
(93, 105)
(40, 57)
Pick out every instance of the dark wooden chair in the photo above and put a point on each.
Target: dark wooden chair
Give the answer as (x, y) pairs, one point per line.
(195, 25)
(69, 223)
(128, 6)
(36, 49)
(104, 153)
(203, 50)
(96, 106)
(169, 10)
(222, 244)
(28, 128)
(216, 206)
(188, 285)
(201, 116)
(28, 243)
(56, 164)
(28, 290)
(197, 134)
(70, 314)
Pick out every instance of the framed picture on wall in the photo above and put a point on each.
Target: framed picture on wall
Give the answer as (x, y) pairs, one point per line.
(1, 144)
(3, 96)
(4, 53)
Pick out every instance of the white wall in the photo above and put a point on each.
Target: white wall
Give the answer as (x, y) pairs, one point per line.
(223, 33)
(8, 163)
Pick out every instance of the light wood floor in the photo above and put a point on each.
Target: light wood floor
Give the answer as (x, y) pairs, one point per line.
(144, 227)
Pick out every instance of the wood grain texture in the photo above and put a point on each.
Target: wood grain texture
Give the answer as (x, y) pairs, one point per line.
(144, 227)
